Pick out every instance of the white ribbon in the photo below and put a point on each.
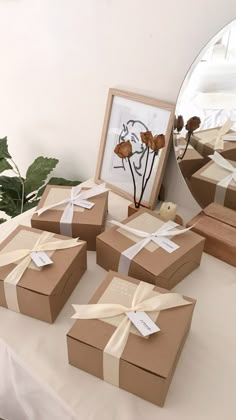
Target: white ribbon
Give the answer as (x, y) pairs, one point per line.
(15, 275)
(140, 302)
(217, 139)
(159, 237)
(222, 185)
(76, 198)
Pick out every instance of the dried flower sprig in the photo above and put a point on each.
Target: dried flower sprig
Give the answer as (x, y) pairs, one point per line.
(178, 123)
(153, 145)
(192, 124)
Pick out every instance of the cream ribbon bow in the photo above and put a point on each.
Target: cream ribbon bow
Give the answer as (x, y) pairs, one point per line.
(217, 139)
(77, 198)
(140, 302)
(224, 183)
(159, 237)
(13, 256)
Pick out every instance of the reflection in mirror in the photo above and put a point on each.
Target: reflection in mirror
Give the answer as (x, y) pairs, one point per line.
(207, 155)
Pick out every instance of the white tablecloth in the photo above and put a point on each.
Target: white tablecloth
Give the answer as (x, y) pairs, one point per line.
(203, 387)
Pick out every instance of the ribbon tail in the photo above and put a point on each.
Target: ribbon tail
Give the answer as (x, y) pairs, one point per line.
(98, 310)
(93, 192)
(52, 206)
(137, 232)
(161, 302)
(57, 245)
(13, 256)
(221, 161)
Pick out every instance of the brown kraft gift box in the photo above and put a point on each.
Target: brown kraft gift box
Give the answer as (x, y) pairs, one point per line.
(218, 225)
(152, 264)
(229, 151)
(86, 224)
(42, 292)
(203, 185)
(147, 365)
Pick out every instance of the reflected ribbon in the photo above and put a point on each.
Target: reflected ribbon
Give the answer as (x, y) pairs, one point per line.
(141, 302)
(76, 198)
(222, 185)
(217, 139)
(13, 278)
(159, 237)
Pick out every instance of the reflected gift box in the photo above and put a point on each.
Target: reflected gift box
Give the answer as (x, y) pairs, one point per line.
(104, 343)
(73, 211)
(218, 225)
(150, 255)
(192, 160)
(215, 182)
(35, 290)
(207, 141)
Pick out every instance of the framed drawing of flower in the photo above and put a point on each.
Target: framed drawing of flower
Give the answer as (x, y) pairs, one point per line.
(134, 146)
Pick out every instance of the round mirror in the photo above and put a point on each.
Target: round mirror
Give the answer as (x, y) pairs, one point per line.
(205, 124)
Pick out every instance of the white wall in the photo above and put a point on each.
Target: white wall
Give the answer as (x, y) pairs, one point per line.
(59, 58)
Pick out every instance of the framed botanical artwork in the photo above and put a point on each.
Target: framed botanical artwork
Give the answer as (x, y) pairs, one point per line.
(134, 146)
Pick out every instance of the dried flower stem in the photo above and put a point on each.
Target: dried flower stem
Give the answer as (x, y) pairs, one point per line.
(147, 179)
(134, 183)
(186, 147)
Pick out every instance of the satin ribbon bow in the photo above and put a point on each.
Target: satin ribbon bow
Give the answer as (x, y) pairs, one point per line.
(76, 198)
(217, 139)
(15, 275)
(141, 302)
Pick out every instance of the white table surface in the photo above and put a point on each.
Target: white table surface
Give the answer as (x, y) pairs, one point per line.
(203, 387)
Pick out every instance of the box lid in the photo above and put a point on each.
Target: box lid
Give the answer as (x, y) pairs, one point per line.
(158, 353)
(221, 213)
(50, 279)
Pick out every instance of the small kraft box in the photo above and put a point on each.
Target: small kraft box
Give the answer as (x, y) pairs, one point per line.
(218, 225)
(207, 141)
(141, 364)
(192, 160)
(73, 211)
(38, 271)
(215, 182)
(149, 254)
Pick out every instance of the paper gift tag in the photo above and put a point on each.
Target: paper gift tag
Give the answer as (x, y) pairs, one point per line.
(143, 322)
(40, 258)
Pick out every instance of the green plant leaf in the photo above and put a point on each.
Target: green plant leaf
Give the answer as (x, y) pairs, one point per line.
(4, 148)
(10, 206)
(11, 185)
(4, 165)
(58, 181)
(62, 181)
(38, 172)
(2, 220)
